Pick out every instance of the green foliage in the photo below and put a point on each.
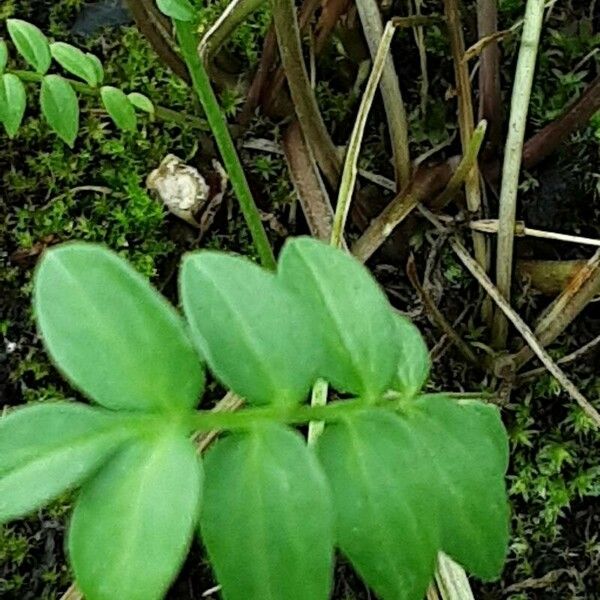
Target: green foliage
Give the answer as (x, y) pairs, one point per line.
(393, 464)
(424, 458)
(76, 62)
(336, 288)
(60, 107)
(13, 101)
(413, 362)
(111, 354)
(277, 477)
(119, 107)
(138, 514)
(3, 55)
(141, 102)
(31, 43)
(59, 96)
(250, 341)
(49, 448)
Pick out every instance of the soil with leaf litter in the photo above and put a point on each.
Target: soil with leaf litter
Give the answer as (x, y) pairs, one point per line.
(97, 192)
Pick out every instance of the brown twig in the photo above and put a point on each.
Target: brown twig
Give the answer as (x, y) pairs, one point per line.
(525, 331)
(305, 103)
(547, 140)
(307, 181)
(426, 183)
(490, 99)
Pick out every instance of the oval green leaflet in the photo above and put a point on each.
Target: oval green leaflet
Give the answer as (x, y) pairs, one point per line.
(181, 10)
(12, 103)
(112, 335)
(141, 102)
(75, 62)
(253, 333)
(60, 107)
(47, 448)
(31, 43)
(356, 322)
(97, 64)
(133, 522)
(119, 108)
(266, 497)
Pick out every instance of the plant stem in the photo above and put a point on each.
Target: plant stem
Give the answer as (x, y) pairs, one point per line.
(351, 162)
(292, 415)
(513, 151)
(370, 18)
(466, 122)
(165, 114)
(305, 103)
(201, 84)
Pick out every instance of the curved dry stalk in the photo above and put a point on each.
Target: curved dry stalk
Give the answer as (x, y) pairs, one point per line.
(420, 188)
(370, 19)
(513, 151)
(423, 184)
(351, 162)
(525, 331)
(308, 184)
(466, 119)
(305, 102)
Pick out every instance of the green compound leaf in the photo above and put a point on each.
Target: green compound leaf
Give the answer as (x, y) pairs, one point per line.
(380, 491)
(31, 43)
(60, 107)
(182, 10)
(75, 61)
(252, 332)
(119, 108)
(3, 55)
(141, 102)
(13, 101)
(111, 334)
(406, 487)
(133, 522)
(414, 363)
(467, 450)
(98, 68)
(46, 449)
(267, 518)
(356, 324)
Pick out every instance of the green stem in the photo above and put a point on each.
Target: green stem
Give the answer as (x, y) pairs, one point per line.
(165, 114)
(513, 152)
(201, 83)
(225, 420)
(291, 415)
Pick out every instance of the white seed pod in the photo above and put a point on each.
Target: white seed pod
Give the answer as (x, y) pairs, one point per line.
(182, 189)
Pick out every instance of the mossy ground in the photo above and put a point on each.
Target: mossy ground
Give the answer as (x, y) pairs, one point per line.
(554, 475)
